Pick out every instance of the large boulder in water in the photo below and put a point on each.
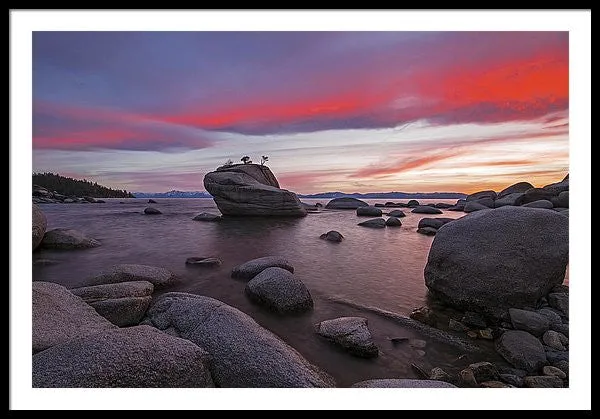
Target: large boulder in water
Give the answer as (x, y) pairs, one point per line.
(368, 211)
(139, 356)
(426, 209)
(491, 260)
(251, 190)
(243, 353)
(351, 333)
(250, 269)
(520, 187)
(279, 290)
(66, 238)
(346, 203)
(58, 316)
(373, 223)
(38, 226)
(434, 222)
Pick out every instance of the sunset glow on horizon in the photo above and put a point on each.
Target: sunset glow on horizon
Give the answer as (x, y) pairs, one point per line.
(334, 111)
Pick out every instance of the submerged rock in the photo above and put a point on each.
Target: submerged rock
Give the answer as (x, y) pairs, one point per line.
(159, 277)
(250, 269)
(151, 211)
(374, 223)
(251, 190)
(139, 356)
(345, 203)
(279, 290)
(332, 236)
(425, 209)
(204, 261)
(243, 353)
(351, 333)
(66, 238)
(38, 226)
(368, 212)
(486, 262)
(207, 216)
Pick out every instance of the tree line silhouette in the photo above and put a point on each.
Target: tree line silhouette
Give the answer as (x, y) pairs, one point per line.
(75, 187)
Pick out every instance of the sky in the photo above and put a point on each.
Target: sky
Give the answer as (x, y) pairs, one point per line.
(334, 111)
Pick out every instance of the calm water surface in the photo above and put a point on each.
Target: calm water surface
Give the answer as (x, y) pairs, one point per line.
(372, 267)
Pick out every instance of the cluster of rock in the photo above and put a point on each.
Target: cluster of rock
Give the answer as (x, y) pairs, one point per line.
(251, 190)
(504, 270)
(553, 196)
(272, 284)
(41, 195)
(184, 340)
(534, 343)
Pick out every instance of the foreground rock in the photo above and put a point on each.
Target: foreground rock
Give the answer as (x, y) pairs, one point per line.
(123, 304)
(332, 236)
(279, 290)
(159, 277)
(38, 226)
(351, 333)
(397, 214)
(139, 356)
(374, 223)
(207, 216)
(251, 190)
(244, 354)
(522, 350)
(426, 209)
(368, 212)
(250, 269)
(58, 316)
(345, 203)
(492, 260)
(65, 238)
(403, 383)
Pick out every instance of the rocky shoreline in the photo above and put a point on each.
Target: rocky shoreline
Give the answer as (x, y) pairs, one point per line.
(494, 276)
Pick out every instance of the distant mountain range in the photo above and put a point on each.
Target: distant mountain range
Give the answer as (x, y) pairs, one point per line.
(324, 195)
(172, 194)
(388, 195)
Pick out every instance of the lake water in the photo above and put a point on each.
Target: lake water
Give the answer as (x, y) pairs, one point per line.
(371, 267)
